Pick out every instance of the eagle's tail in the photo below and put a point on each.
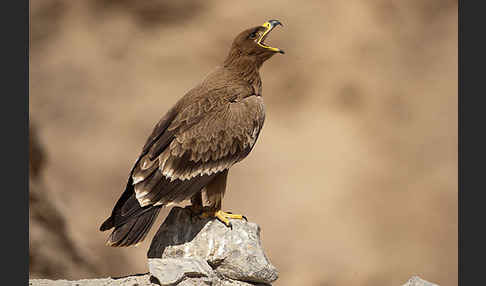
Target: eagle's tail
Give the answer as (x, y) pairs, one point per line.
(133, 230)
(130, 221)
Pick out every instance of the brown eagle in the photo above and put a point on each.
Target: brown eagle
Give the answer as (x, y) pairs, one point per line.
(212, 127)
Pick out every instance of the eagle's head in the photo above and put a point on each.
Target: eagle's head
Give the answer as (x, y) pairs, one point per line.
(251, 42)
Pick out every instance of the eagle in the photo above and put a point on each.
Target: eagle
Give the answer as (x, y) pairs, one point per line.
(190, 150)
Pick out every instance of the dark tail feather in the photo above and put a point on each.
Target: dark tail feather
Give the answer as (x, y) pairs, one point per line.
(133, 231)
(131, 222)
(109, 223)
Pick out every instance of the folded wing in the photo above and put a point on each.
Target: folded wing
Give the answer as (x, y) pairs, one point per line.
(202, 140)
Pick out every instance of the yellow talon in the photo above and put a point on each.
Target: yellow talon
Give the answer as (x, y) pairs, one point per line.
(223, 216)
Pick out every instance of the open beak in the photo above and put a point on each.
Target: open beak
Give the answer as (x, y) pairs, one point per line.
(269, 25)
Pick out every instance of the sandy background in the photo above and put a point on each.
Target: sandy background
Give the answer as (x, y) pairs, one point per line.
(354, 177)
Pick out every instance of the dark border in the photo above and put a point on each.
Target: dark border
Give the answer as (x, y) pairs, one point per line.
(15, 118)
(25, 6)
(471, 143)
(14, 138)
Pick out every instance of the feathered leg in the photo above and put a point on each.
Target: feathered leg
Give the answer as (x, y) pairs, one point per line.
(196, 203)
(215, 191)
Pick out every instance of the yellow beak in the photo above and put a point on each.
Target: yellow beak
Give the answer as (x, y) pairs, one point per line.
(269, 25)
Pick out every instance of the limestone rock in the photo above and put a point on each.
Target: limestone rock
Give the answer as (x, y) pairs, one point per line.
(171, 271)
(134, 280)
(232, 253)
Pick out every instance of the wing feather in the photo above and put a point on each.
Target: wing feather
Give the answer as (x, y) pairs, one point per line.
(199, 143)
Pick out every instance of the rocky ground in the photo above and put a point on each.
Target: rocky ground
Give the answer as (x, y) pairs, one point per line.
(147, 280)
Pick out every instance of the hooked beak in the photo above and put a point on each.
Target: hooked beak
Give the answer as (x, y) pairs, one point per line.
(269, 25)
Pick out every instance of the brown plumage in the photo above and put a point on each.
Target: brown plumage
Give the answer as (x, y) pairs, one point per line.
(212, 127)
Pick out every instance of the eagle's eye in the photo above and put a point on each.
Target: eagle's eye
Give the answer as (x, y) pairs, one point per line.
(253, 35)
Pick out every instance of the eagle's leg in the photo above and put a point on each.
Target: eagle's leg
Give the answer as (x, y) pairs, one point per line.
(215, 191)
(196, 203)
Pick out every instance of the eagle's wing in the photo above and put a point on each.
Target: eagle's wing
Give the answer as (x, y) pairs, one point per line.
(202, 140)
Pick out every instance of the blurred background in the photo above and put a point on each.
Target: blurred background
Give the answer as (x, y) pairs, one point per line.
(353, 179)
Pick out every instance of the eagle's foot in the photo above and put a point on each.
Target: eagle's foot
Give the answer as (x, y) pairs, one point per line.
(223, 217)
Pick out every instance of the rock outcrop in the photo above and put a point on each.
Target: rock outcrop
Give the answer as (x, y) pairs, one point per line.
(199, 250)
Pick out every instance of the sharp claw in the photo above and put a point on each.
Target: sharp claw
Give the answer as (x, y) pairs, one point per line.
(224, 217)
